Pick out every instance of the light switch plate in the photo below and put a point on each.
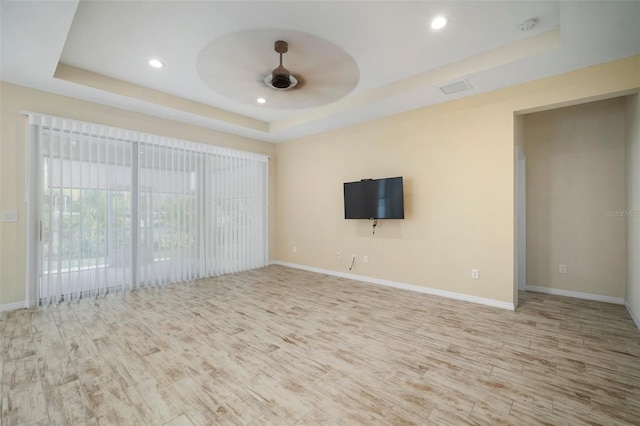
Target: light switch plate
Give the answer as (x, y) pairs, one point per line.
(9, 216)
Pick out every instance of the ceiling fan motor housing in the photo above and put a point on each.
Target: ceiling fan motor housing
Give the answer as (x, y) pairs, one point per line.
(281, 78)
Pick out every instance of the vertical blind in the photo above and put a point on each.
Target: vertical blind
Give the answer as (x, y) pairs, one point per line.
(121, 209)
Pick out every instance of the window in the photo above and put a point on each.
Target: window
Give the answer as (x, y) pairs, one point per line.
(120, 210)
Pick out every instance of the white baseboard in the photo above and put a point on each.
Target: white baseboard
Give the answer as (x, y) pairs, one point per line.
(403, 286)
(576, 294)
(12, 306)
(633, 316)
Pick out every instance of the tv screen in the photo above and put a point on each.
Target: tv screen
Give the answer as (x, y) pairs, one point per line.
(374, 199)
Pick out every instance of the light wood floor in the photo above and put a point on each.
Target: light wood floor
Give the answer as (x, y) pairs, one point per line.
(282, 346)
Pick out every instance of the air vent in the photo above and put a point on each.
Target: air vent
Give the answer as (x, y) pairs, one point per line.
(455, 87)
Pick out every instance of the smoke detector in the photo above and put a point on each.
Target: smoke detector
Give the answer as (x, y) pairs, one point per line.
(528, 24)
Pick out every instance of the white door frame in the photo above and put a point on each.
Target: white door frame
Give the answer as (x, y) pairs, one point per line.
(521, 218)
(32, 199)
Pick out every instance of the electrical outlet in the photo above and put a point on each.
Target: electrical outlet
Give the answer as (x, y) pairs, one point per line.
(563, 268)
(475, 274)
(338, 255)
(365, 259)
(295, 249)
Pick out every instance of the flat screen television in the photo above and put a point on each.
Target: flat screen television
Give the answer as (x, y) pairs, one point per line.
(374, 199)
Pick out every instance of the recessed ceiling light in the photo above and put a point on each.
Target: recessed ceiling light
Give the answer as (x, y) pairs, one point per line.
(156, 63)
(261, 100)
(438, 23)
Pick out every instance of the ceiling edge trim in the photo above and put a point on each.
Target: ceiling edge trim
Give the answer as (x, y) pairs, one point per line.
(580, 101)
(512, 52)
(99, 81)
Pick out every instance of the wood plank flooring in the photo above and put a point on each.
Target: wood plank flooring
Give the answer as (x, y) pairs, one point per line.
(282, 346)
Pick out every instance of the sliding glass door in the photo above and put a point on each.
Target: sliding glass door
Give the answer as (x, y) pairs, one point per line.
(120, 210)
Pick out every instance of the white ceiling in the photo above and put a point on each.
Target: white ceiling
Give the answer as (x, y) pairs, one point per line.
(104, 47)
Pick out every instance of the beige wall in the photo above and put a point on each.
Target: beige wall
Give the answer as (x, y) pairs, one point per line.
(575, 175)
(458, 163)
(13, 160)
(633, 204)
(457, 159)
(447, 169)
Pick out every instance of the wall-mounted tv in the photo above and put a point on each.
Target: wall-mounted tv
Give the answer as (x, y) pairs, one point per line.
(374, 199)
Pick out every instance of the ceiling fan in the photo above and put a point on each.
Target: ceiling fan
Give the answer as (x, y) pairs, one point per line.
(240, 66)
(281, 78)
